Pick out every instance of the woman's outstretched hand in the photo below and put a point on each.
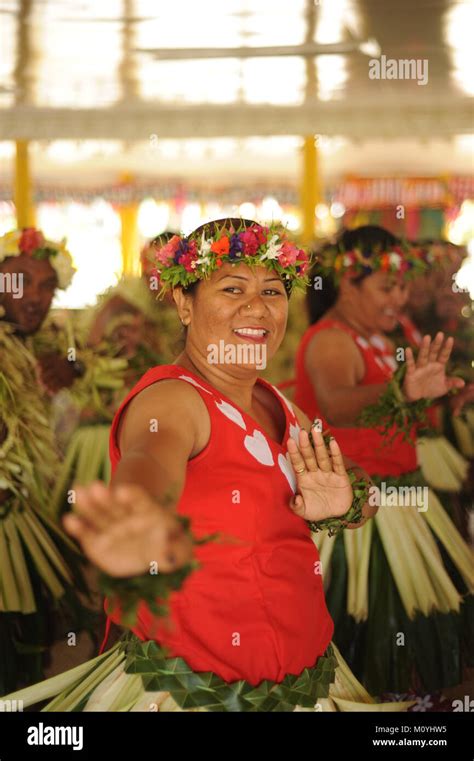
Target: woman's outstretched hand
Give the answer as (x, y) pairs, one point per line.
(323, 489)
(426, 377)
(122, 530)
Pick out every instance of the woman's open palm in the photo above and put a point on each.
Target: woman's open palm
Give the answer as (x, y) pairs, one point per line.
(323, 487)
(426, 377)
(123, 530)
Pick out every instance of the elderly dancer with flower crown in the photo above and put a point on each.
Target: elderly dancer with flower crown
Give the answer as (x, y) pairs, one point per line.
(217, 447)
(39, 569)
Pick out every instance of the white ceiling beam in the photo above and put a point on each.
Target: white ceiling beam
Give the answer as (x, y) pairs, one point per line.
(140, 121)
(307, 49)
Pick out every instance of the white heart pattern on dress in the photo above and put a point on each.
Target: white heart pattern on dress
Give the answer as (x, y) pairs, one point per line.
(391, 362)
(378, 342)
(231, 412)
(258, 447)
(195, 383)
(362, 342)
(287, 469)
(294, 431)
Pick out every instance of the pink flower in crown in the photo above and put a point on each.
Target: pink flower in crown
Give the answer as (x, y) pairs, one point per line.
(250, 242)
(31, 239)
(166, 253)
(288, 254)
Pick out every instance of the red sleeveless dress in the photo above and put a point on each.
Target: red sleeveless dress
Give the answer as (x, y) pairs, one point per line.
(365, 446)
(255, 609)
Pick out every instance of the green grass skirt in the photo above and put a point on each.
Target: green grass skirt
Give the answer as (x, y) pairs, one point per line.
(400, 593)
(136, 676)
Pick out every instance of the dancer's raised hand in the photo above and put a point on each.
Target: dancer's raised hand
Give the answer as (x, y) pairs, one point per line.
(323, 487)
(426, 376)
(122, 530)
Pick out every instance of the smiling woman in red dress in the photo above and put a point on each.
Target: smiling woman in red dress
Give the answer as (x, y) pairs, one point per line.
(392, 581)
(221, 446)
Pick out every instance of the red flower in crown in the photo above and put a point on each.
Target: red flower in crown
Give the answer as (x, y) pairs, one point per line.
(303, 262)
(250, 242)
(189, 257)
(221, 246)
(261, 233)
(31, 239)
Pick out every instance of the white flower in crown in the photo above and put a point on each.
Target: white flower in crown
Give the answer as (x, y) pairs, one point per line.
(9, 244)
(395, 259)
(203, 260)
(62, 265)
(273, 248)
(347, 261)
(204, 250)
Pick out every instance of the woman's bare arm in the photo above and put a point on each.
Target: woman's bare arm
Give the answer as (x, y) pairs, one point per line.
(132, 523)
(336, 367)
(160, 430)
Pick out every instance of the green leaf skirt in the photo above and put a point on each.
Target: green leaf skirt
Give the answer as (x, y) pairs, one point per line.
(136, 676)
(400, 593)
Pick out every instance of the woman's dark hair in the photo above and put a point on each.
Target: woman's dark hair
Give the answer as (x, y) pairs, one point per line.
(319, 300)
(368, 239)
(162, 238)
(212, 227)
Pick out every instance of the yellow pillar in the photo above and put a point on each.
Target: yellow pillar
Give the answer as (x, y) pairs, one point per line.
(129, 236)
(25, 216)
(310, 188)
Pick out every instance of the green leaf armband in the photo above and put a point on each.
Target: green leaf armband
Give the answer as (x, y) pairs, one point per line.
(152, 588)
(333, 526)
(392, 409)
(360, 487)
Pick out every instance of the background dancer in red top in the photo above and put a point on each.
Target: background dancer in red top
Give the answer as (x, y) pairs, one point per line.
(251, 624)
(395, 591)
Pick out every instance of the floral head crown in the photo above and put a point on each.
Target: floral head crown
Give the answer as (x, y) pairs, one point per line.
(403, 259)
(185, 260)
(33, 243)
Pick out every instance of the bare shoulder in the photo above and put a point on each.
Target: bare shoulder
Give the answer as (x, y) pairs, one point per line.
(166, 391)
(175, 404)
(332, 339)
(333, 344)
